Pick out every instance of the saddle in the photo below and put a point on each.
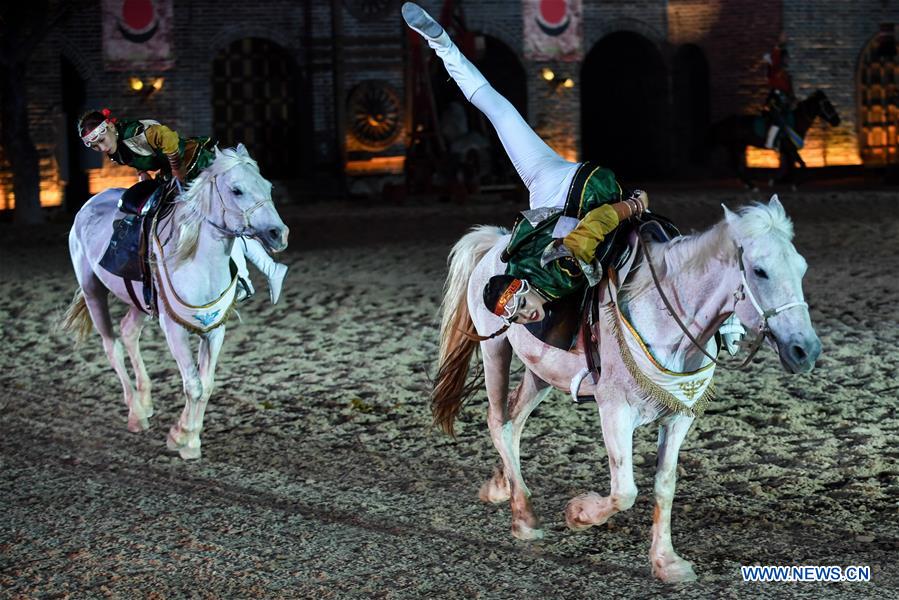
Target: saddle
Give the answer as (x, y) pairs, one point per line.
(127, 255)
(651, 227)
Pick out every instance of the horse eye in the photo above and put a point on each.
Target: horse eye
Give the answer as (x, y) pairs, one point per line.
(760, 273)
(237, 192)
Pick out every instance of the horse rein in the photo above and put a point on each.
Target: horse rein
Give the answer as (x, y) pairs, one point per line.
(740, 293)
(245, 231)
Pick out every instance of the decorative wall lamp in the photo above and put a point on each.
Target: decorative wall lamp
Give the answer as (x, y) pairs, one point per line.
(145, 88)
(556, 83)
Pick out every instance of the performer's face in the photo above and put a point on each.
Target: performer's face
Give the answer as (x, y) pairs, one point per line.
(530, 308)
(107, 143)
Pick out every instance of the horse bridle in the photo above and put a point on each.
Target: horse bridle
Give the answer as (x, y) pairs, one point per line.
(827, 109)
(739, 294)
(246, 230)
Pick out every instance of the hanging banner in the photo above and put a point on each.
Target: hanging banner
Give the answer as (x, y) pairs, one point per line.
(137, 35)
(552, 30)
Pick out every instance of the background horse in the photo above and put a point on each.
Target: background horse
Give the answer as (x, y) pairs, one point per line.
(736, 132)
(192, 268)
(746, 264)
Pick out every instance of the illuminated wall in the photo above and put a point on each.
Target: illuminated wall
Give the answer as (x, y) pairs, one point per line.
(51, 187)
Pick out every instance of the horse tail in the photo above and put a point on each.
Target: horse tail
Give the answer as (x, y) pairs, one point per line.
(77, 320)
(458, 336)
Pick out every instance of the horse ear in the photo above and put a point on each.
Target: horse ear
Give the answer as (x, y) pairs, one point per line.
(218, 153)
(774, 202)
(730, 216)
(242, 150)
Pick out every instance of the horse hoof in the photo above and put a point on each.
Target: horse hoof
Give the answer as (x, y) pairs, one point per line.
(525, 532)
(188, 453)
(584, 511)
(677, 571)
(138, 425)
(495, 490)
(173, 444)
(148, 408)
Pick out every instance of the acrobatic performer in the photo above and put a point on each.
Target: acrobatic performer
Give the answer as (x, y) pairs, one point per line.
(548, 254)
(544, 258)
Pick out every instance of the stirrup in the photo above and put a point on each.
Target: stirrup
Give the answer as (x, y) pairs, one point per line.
(245, 290)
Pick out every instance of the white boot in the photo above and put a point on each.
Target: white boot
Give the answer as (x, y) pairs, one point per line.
(772, 134)
(465, 74)
(245, 288)
(273, 271)
(732, 331)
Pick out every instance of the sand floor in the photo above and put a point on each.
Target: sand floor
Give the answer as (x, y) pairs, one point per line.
(321, 476)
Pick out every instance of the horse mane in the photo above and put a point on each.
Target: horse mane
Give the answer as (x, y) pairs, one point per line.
(196, 201)
(694, 251)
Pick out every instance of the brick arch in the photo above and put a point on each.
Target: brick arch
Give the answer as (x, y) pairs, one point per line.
(232, 33)
(511, 37)
(71, 52)
(595, 31)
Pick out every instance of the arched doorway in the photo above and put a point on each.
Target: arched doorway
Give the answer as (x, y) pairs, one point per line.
(691, 105)
(878, 85)
(624, 106)
(259, 100)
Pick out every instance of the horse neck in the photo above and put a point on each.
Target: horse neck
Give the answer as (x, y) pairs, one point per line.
(206, 273)
(700, 276)
(805, 115)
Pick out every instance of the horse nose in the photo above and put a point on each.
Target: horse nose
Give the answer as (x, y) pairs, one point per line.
(277, 237)
(803, 354)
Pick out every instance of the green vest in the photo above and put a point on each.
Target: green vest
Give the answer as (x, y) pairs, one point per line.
(592, 187)
(135, 151)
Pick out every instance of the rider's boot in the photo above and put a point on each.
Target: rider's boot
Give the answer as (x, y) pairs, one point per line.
(772, 135)
(466, 76)
(273, 271)
(732, 331)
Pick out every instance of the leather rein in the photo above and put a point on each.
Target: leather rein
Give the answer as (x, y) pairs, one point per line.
(740, 293)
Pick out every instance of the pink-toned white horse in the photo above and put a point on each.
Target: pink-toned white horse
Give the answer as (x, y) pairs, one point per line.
(192, 259)
(746, 264)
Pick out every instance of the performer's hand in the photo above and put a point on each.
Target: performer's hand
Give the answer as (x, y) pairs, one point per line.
(644, 198)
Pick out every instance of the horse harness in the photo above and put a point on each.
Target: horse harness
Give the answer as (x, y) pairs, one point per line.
(764, 330)
(244, 231)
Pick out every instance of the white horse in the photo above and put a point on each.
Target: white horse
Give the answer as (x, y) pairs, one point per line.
(191, 260)
(746, 264)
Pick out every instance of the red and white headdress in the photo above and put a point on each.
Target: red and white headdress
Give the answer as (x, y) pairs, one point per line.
(99, 131)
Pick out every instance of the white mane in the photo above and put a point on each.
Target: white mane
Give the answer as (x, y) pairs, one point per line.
(197, 200)
(693, 251)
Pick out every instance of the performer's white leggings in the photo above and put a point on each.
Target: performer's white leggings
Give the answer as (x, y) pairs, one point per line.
(249, 248)
(546, 174)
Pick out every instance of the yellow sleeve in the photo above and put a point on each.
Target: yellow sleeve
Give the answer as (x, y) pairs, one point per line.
(583, 239)
(161, 137)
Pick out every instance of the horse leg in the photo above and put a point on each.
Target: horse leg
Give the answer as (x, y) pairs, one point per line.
(131, 326)
(586, 510)
(497, 358)
(666, 564)
(184, 435)
(96, 297)
(508, 482)
(207, 358)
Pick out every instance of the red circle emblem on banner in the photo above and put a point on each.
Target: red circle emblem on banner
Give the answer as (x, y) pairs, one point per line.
(553, 17)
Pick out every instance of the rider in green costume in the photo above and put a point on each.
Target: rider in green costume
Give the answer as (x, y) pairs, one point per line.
(148, 145)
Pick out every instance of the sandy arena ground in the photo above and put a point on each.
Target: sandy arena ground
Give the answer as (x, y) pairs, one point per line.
(321, 478)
